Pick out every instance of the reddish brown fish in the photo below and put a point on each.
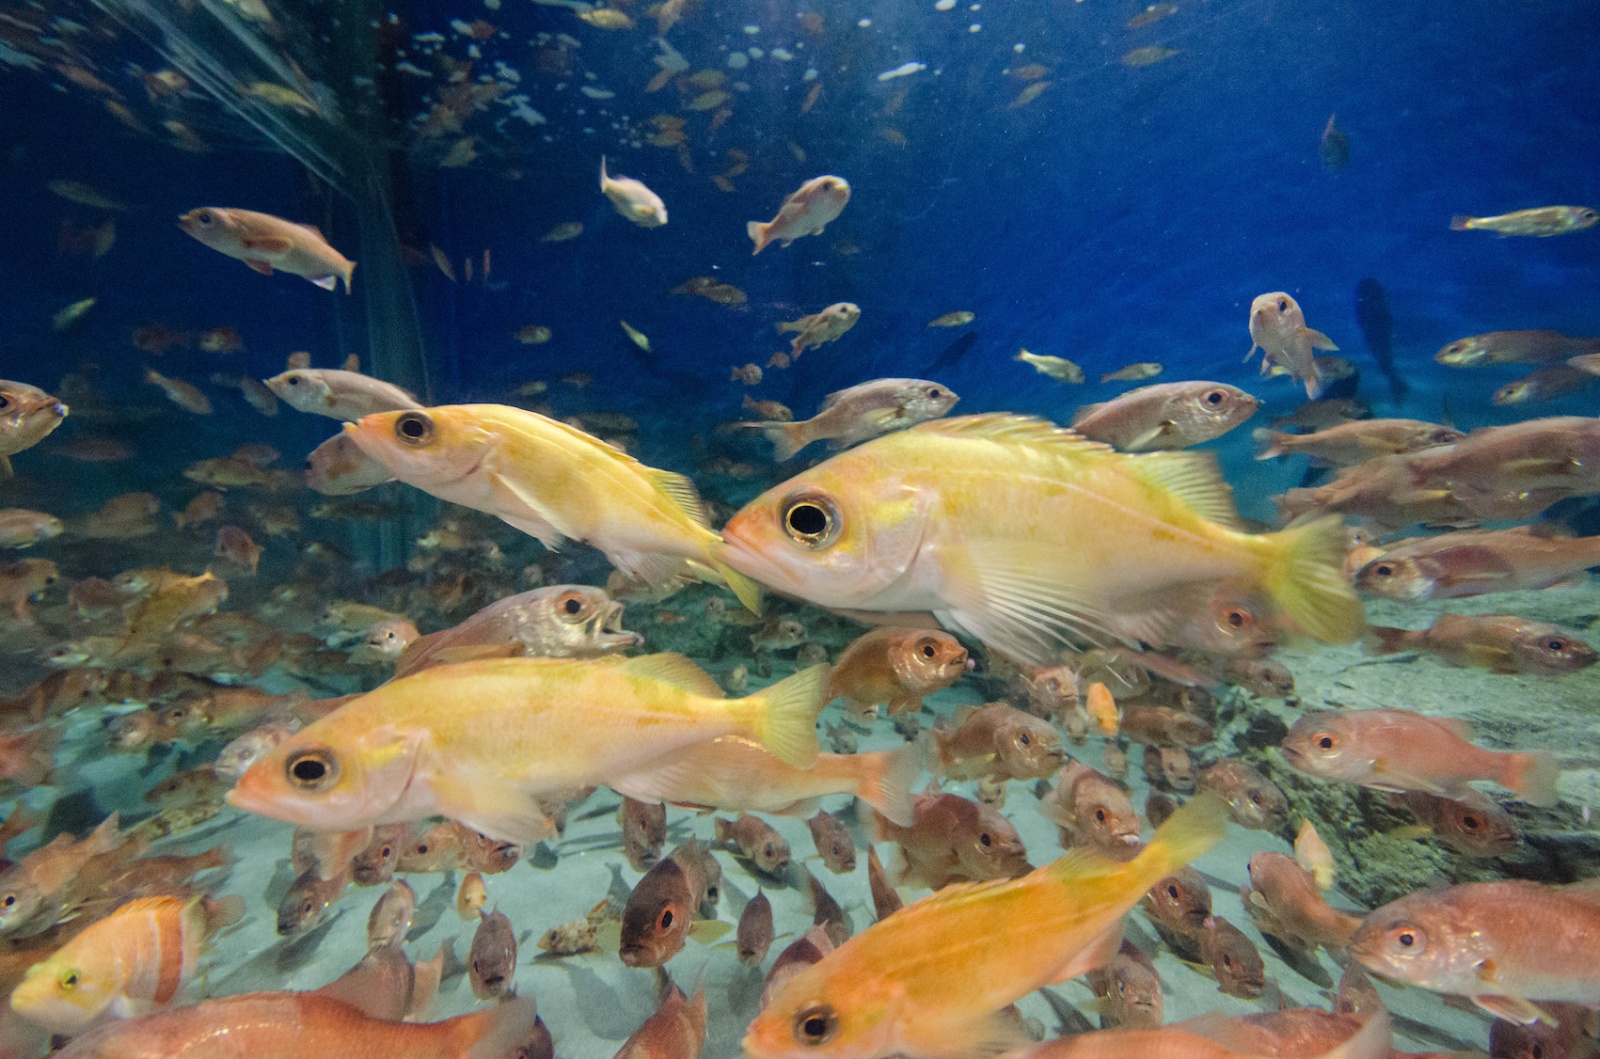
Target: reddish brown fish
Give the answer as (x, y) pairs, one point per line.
(955, 839)
(897, 666)
(1284, 900)
(1502, 643)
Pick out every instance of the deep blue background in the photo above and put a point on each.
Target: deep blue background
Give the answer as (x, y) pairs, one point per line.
(1127, 214)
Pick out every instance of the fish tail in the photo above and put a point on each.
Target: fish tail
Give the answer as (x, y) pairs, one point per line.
(1533, 776)
(786, 715)
(1269, 444)
(758, 234)
(345, 274)
(1197, 825)
(1382, 640)
(1305, 577)
(787, 439)
(884, 779)
(494, 1033)
(1459, 223)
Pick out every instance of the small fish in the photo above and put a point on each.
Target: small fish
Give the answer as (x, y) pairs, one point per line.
(1515, 347)
(1028, 94)
(637, 337)
(1543, 384)
(1286, 902)
(1102, 709)
(1278, 328)
(1355, 442)
(265, 243)
(555, 621)
(644, 832)
(83, 195)
(806, 951)
(898, 667)
(1474, 562)
(1334, 147)
(1172, 415)
(677, 1030)
(815, 330)
(1233, 958)
(338, 394)
(1165, 726)
(663, 907)
(391, 916)
(1130, 991)
(532, 334)
(833, 842)
(562, 232)
(308, 900)
(827, 913)
(22, 528)
(997, 739)
(806, 212)
(1253, 800)
(955, 839)
(1147, 56)
(960, 318)
(864, 411)
(1091, 810)
(757, 841)
(472, 895)
(1473, 825)
(1564, 1037)
(1506, 945)
(1152, 14)
(185, 395)
(1059, 368)
(1397, 750)
(1313, 854)
(1147, 369)
(755, 931)
(65, 318)
(492, 962)
(606, 18)
(630, 197)
(1543, 221)
(1501, 643)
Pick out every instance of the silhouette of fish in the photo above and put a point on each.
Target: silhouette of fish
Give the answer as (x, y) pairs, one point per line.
(953, 352)
(1377, 329)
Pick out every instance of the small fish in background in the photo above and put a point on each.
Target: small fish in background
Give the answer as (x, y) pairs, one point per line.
(806, 951)
(1313, 854)
(1091, 810)
(1152, 14)
(885, 901)
(1278, 328)
(1145, 369)
(757, 841)
(630, 197)
(533, 334)
(1253, 800)
(955, 839)
(1178, 907)
(553, 621)
(1377, 331)
(28, 415)
(236, 547)
(1233, 958)
(1515, 347)
(338, 394)
(471, 897)
(1543, 384)
(1028, 94)
(857, 414)
(998, 740)
(808, 211)
(562, 232)
(897, 667)
(220, 340)
(23, 582)
(665, 906)
(265, 243)
(779, 634)
(308, 901)
(677, 1030)
(827, 913)
(1172, 415)
(607, 18)
(1147, 56)
(1543, 221)
(1285, 901)
(754, 936)
(185, 395)
(637, 337)
(338, 467)
(750, 375)
(1353, 443)
(71, 314)
(84, 195)
(492, 960)
(22, 528)
(1510, 946)
(1058, 368)
(1129, 989)
(156, 339)
(1500, 643)
(644, 832)
(1334, 148)
(1165, 726)
(1563, 1036)
(960, 318)
(1473, 824)
(819, 328)
(1397, 750)
(1477, 562)
(833, 841)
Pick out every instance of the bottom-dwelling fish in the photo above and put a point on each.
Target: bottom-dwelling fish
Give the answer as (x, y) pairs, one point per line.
(1009, 938)
(676, 1031)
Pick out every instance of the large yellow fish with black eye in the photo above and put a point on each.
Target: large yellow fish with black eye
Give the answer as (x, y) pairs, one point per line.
(1027, 537)
(554, 482)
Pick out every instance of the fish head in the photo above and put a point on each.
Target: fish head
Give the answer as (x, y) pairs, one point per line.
(215, 227)
(1137, 994)
(1423, 940)
(921, 400)
(1519, 392)
(301, 388)
(1218, 406)
(1236, 627)
(1400, 578)
(990, 847)
(835, 190)
(1234, 959)
(1052, 690)
(1549, 650)
(821, 1014)
(1326, 745)
(927, 660)
(307, 899)
(838, 535)
(657, 916)
(1029, 747)
(66, 992)
(1274, 318)
(1182, 899)
(27, 414)
(1106, 814)
(438, 446)
(1463, 352)
(323, 779)
(1476, 827)
(576, 620)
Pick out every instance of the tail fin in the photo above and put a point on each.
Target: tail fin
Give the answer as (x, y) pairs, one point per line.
(1383, 640)
(345, 274)
(1305, 577)
(1459, 223)
(787, 722)
(493, 1034)
(1197, 825)
(787, 439)
(221, 912)
(1269, 444)
(884, 782)
(603, 176)
(758, 234)
(1533, 776)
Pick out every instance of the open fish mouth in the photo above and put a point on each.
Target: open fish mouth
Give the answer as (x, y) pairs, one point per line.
(606, 629)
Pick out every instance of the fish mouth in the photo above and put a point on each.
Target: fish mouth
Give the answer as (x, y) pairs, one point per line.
(606, 628)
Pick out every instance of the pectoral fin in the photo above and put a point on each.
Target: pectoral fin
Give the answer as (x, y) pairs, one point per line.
(259, 266)
(497, 810)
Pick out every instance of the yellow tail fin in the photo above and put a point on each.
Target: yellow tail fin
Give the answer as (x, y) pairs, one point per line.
(786, 721)
(1194, 828)
(1305, 576)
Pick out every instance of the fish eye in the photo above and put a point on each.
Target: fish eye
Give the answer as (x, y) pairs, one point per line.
(8, 902)
(386, 852)
(811, 520)
(312, 770)
(69, 979)
(206, 218)
(1556, 645)
(570, 603)
(421, 849)
(1407, 939)
(1255, 799)
(1227, 961)
(1172, 888)
(816, 1025)
(5, 402)
(1238, 619)
(984, 839)
(1100, 818)
(1471, 822)
(1024, 740)
(1215, 397)
(1383, 570)
(1325, 741)
(928, 649)
(1536, 1052)
(1283, 305)
(414, 428)
(665, 922)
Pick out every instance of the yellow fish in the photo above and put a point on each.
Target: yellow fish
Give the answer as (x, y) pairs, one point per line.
(636, 336)
(554, 482)
(1026, 537)
(477, 741)
(891, 988)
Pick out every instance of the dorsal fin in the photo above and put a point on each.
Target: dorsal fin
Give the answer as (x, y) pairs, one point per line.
(676, 670)
(682, 493)
(1193, 478)
(1085, 411)
(1006, 428)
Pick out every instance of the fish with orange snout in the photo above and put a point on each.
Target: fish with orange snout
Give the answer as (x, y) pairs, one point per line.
(267, 243)
(806, 212)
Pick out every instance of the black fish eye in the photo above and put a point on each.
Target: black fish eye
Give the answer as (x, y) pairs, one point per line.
(665, 921)
(1325, 742)
(422, 849)
(1470, 822)
(293, 380)
(414, 428)
(1215, 397)
(934, 393)
(1227, 961)
(1236, 619)
(1383, 570)
(927, 650)
(984, 839)
(816, 1025)
(5, 402)
(312, 770)
(8, 901)
(205, 217)
(1024, 740)
(1283, 305)
(1100, 817)
(572, 606)
(1556, 645)
(1172, 889)
(1406, 939)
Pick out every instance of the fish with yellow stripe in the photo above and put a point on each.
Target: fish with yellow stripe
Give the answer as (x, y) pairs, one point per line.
(554, 482)
(1029, 537)
(891, 988)
(135, 961)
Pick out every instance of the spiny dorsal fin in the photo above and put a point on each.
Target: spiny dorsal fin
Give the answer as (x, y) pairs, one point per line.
(682, 493)
(1085, 411)
(1006, 428)
(1193, 478)
(676, 670)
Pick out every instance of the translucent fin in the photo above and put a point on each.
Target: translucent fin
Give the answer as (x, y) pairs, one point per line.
(1193, 478)
(1010, 599)
(1533, 776)
(1007, 429)
(525, 511)
(681, 492)
(787, 724)
(328, 282)
(883, 781)
(495, 1033)
(497, 810)
(746, 589)
(676, 670)
(1305, 576)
